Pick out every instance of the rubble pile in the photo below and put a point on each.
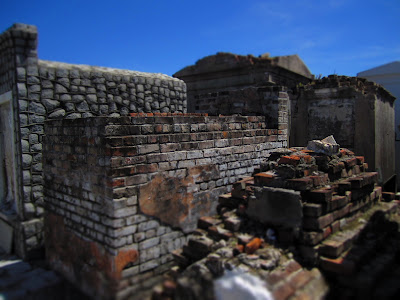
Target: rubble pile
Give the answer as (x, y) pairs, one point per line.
(302, 213)
(231, 242)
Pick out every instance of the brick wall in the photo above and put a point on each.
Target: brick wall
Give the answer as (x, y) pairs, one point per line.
(132, 188)
(271, 102)
(45, 90)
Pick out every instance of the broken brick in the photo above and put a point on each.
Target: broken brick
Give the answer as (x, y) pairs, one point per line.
(232, 223)
(293, 160)
(300, 184)
(253, 246)
(318, 223)
(205, 222)
(219, 233)
(312, 209)
(238, 249)
(322, 195)
(319, 180)
(263, 178)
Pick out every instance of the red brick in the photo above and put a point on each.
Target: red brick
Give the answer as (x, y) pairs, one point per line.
(318, 223)
(332, 248)
(320, 180)
(341, 200)
(238, 249)
(293, 160)
(338, 214)
(263, 178)
(150, 168)
(253, 246)
(300, 184)
(117, 182)
(345, 152)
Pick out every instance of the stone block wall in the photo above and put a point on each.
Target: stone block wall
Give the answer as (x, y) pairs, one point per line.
(123, 193)
(43, 90)
(17, 52)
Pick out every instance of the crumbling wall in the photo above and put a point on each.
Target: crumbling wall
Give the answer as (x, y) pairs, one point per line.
(127, 190)
(351, 109)
(44, 90)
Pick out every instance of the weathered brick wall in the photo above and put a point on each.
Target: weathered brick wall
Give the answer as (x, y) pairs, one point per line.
(133, 187)
(271, 102)
(47, 90)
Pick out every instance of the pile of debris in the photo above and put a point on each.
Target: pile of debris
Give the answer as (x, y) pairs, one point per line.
(305, 211)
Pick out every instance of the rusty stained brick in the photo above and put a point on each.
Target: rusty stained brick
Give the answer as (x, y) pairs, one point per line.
(172, 200)
(293, 160)
(86, 262)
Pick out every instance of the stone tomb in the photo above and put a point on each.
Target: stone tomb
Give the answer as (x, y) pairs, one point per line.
(122, 193)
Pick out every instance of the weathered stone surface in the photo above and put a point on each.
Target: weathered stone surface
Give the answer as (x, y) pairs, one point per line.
(276, 206)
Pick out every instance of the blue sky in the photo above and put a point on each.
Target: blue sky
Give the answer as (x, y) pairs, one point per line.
(163, 36)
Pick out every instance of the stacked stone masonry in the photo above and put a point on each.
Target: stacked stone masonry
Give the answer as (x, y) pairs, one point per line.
(134, 187)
